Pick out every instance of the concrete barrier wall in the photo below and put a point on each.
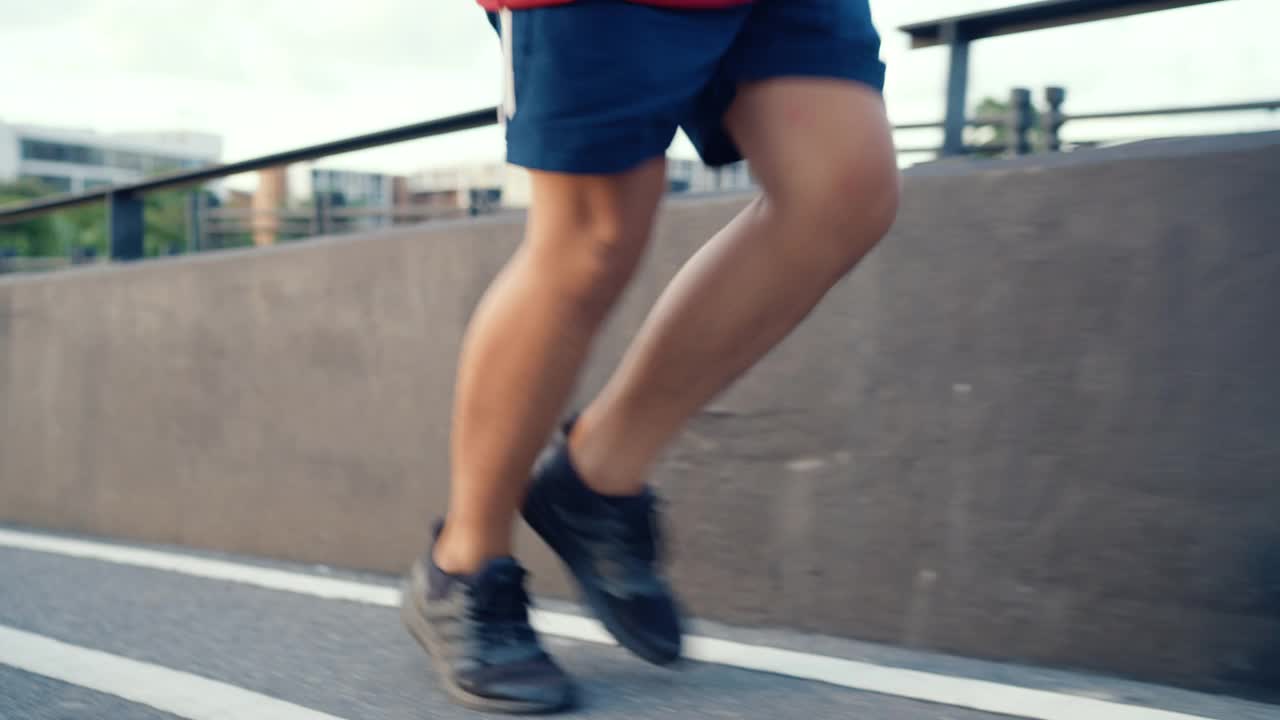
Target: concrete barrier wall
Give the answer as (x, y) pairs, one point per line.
(1041, 423)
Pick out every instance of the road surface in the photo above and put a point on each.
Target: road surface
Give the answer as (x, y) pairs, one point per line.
(91, 637)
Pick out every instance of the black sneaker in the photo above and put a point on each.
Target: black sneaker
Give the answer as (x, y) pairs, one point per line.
(477, 631)
(610, 546)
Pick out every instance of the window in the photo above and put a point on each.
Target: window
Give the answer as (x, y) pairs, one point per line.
(36, 150)
(62, 152)
(93, 183)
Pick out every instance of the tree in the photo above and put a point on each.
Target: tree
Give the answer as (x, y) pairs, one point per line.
(994, 139)
(30, 238)
(165, 222)
(83, 231)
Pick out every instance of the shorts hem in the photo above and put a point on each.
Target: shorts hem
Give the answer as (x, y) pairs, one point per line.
(613, 160)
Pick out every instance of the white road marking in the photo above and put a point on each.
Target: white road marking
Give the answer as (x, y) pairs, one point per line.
(868, 677)
(177, 693)
(294, 582)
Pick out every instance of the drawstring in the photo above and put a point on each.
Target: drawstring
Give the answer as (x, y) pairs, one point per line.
(508, 110)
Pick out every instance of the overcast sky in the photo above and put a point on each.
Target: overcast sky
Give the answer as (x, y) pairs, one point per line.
(272, 74)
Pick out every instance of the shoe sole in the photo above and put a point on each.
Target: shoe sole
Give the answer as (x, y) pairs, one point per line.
(412, 615)
(592, 596)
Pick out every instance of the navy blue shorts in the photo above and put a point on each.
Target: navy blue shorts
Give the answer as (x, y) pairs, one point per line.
(600, 86)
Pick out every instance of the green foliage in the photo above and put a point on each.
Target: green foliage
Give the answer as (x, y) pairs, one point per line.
(165, 218)
(990, 140)
(30, 238)
(83, 230)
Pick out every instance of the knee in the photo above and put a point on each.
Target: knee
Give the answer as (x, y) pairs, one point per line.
(845, 209)
(863, 203)
(589, 263)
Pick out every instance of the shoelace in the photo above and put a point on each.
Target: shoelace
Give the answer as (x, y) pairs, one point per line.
(499, 610)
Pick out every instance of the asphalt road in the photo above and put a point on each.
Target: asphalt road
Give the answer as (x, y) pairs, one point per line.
(355, 662)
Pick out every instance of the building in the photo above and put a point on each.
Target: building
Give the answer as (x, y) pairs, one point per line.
(75, 160)
(471, 188)
(485, 186)
(349, 188)
(350, 200)
(693, 176)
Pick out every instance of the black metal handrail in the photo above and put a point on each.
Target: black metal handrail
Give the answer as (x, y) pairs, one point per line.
(1185, 110)
(416, 131)
(125, 223)
(1055, 118)
(442, 126)
(1019, 120)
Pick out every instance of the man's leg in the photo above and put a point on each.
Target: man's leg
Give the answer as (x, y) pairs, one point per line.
(822, 150)
(465, 601)
(823, 153)
(601, 87)
(528, 340)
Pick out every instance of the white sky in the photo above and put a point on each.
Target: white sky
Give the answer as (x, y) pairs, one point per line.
(273, 74)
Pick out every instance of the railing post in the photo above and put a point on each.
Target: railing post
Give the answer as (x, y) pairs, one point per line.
(318, 220)
(195, 218)
(957, 90)
(1054, 118)
(1019, 121)
(125, 225)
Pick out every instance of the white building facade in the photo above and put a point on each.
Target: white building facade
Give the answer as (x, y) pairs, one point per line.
(354, 188)
(478, 186)
(499, 184)
(72, 160)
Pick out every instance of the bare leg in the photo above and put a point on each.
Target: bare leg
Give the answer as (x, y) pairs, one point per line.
(528, 340)
(824, 155)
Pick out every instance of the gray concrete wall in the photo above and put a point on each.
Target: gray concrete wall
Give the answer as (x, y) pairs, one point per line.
(1041, 423)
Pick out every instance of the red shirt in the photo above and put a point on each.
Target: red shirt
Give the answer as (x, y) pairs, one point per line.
(682, 4)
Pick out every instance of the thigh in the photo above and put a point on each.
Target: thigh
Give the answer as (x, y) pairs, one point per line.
(809, 138)
(833, 40)
(600, 85)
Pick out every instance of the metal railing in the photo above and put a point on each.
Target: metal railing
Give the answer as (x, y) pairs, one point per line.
(124, 202)
(1026, 130)
(1014, 130)
(125, 224)
(213, 226)
(1055, 118)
